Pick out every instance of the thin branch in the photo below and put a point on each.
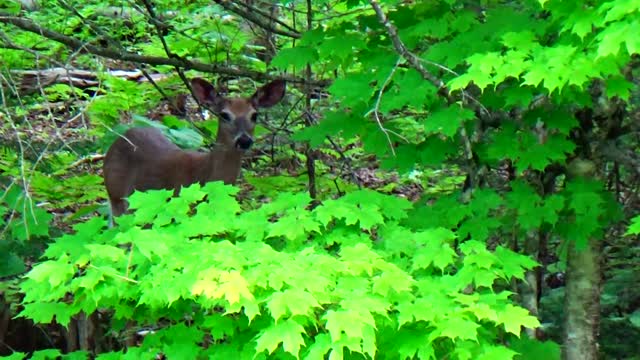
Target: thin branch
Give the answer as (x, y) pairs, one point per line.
(411, 58)
(376, 108)
(256, 20)
(415, 62)
(268, 16)
(165, 46)
(111, 53)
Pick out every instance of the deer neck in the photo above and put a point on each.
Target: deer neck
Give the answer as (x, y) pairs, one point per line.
(223, 163)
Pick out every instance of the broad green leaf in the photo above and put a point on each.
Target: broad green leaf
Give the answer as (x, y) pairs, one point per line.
(515, 317)
(634, 227)
(288, 333)
(292, 303)
(447, 120)
(298, 57)
(457, 328)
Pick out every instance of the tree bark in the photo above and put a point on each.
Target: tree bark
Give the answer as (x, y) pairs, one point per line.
(582, 303)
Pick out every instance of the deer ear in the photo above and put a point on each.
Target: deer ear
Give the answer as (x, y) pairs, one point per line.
(269, 94)
(204, 92)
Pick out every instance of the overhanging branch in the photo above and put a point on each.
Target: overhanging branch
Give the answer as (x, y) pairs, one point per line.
(118, 54)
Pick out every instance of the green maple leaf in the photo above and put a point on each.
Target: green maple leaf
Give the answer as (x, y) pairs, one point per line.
(514, 264)
(634, 227)
(532, 210)
(515, 317)
(478, 227)
(148, 204)
(513, 68)
(77, 355)
(620, 87)
(536, 73)
(538, 156)
(491, 352)
(253, 225)
(560, 120)
(477, 254)
(359, 258)
(108, 252)
(612, 37)
(46, 354)
(149, 242)
(298, 57)
(353, 89)
(296, 223)
(616, 10)
(319, 347)
(583, 70)
(408, 342)
(435, 150)
(520, 96)
(291, 302)
(483, 311)
(585, 227)
(412, 90)
(581, 21)
(342, 46)
(434, 248)
(391, 207)
(531, 349)
(504, 143)
(397, 280)
(34, 222)
(288, 333)
(552, 207)
(234, 287)
(53, 272)
(286, 201)
(90, 279)
(43, 312)
(368, 215)
(461, 81)
(351, 322)
(484, 278)
(521, 40)
(447, 120)
(371, 303)
(457, 328)
(218, 325)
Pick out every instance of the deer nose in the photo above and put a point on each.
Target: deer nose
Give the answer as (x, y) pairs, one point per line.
(244, 142)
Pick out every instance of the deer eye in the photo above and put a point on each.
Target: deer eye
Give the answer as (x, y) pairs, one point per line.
(254, 117)
(225, 116)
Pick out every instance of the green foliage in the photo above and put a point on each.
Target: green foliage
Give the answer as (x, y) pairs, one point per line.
(634, 227)
(357, 295)
(366, 274)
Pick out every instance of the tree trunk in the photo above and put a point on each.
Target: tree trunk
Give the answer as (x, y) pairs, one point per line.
(582, 303)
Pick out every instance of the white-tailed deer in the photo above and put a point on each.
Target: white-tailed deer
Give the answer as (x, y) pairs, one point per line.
(144, 159)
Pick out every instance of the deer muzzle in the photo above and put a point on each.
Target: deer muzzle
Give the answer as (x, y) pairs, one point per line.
(243, 142)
